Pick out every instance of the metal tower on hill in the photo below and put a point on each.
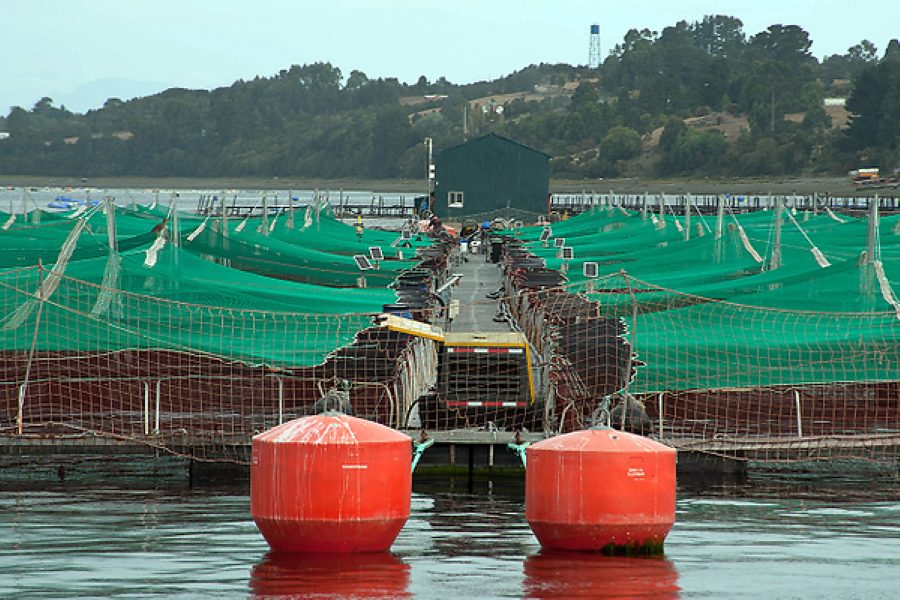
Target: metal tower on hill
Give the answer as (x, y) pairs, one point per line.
(594, 50)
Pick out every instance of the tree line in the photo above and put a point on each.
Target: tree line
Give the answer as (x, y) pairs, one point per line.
(633, 115)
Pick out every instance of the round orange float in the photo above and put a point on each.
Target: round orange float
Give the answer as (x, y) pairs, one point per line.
(600, 489)
(330, 483)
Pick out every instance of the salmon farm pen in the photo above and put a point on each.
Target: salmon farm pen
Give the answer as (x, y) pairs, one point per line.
(741, 338)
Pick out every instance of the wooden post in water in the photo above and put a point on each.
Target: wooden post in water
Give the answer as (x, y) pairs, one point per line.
(687, 217)
(720, 216)
(290, 221)
(20, 416)
(873, 229)
(109, 208)
(224, 215)
(175, 227)
(775, 259)
(644, 208)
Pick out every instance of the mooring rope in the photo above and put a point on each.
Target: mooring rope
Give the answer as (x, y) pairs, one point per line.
(834, 216)
(886, 291)
(193, 235)
(78, 212)
(153, 251)
(820, 258)
(678, 225)
(744, 239)
(48, 285)
(702, 219)
(111, 273)
(240, 226)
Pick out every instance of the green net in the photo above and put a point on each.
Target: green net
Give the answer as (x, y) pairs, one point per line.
(182, 303)
(192, 339)
(318, 250)
(209, 296)
(160, 328)
(707, 314)
(37, 237)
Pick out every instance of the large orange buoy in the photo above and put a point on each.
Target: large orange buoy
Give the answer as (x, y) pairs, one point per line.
(330, 483)
(600, 489)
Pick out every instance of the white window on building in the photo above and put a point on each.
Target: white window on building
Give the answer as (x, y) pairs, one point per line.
(454, 199)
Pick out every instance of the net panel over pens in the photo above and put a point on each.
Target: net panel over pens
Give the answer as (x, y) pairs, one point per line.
(143, 341)
(734, 353)
(707, 343)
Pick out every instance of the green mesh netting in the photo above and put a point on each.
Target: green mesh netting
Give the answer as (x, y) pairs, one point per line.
(153, 295)
(183, 303)
(318, 250)
(706, 314)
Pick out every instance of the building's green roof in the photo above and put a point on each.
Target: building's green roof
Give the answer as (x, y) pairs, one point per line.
(490, 136)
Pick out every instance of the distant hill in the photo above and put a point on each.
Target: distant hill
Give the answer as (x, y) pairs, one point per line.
(94, 94)
(700, 98)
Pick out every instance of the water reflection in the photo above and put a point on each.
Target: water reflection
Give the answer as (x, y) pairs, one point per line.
(467, 526)
(767, 538)
(555, 574)
(368, 575)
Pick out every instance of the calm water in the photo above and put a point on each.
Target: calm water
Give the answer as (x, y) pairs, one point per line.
(781, 541)
(13, 200)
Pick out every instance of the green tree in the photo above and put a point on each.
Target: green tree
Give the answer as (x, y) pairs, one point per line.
(719, 35)
(849, 65)
(863, 53)
(779, 77)
(875, 108)
(356, 80)
(892, 52)
(391, 136)
(621, 143)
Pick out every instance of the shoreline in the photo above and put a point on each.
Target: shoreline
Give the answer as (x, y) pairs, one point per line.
(834, 186)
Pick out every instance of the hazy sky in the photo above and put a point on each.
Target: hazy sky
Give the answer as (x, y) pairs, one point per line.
(52, 47)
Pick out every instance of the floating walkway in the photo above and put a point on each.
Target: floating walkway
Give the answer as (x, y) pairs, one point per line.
(477, 312)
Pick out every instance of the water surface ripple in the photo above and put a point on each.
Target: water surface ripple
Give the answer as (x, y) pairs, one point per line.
(127, 543)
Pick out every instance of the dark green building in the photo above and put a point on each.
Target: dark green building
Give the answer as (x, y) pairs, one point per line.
(488, 175)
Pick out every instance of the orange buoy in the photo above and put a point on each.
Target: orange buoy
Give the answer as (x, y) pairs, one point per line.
(330, 483)
(600, 489)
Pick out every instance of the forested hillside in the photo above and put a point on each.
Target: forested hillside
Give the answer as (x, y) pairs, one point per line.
(701, 98)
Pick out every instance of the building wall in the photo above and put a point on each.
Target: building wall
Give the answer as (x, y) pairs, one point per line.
(491, 171)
